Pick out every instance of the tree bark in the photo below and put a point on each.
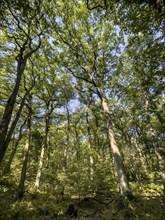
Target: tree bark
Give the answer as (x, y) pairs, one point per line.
(122, 178)
(20, 190)
(21, 64)
(91, 160)
(7, 168)
(161, 166)
(67, 134)
(9, 109)
(14, 123)
(160, 160)
(44, 147)
(39, 173)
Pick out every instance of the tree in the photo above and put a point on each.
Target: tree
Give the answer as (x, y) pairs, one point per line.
(96, 81)
(158, 5)
(93, 60)
(52, 94)
(26, 40)
(20, 190)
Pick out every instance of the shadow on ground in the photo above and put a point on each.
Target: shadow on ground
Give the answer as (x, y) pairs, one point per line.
(100, 206)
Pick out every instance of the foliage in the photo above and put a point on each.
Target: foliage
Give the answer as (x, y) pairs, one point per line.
(72, 53)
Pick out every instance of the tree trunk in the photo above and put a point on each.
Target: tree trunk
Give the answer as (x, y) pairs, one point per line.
(4, 124)
(39, 173)
(9, 109)
(161, 166)
(158, 155)
(122, 179)
(91, 161)
(42, 156)
(7, 168)
(67, 135)
(14, 123)
(91, 165)
(21, 185)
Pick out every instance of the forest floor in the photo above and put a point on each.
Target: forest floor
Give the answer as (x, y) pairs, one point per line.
(148, 204)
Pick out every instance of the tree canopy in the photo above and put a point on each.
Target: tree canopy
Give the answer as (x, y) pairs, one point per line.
(82, 109)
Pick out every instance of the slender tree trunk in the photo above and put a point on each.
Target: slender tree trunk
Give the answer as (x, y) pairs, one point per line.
(21, 185)
(97, 138)
(91, 165)
(91, 161)
(21, 64)
(9, 110)
(67, 136)
(160, 161)
(42, 156)
(12, 128)
(39, 173)
(77, 144)
(7, 168)
(122, 178)
(78, 154)
(161, 166)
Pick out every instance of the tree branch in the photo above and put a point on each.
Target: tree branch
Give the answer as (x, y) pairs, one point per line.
(97, 6)
(79, 77)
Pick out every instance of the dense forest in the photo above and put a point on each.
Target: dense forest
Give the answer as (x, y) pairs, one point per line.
(82, 106)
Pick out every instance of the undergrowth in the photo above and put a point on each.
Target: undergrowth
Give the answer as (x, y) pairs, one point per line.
(148, 204)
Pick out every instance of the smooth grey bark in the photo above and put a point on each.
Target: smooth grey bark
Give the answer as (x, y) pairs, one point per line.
(122, 178)
(39, 173)
(42, 157)
(49, 110)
